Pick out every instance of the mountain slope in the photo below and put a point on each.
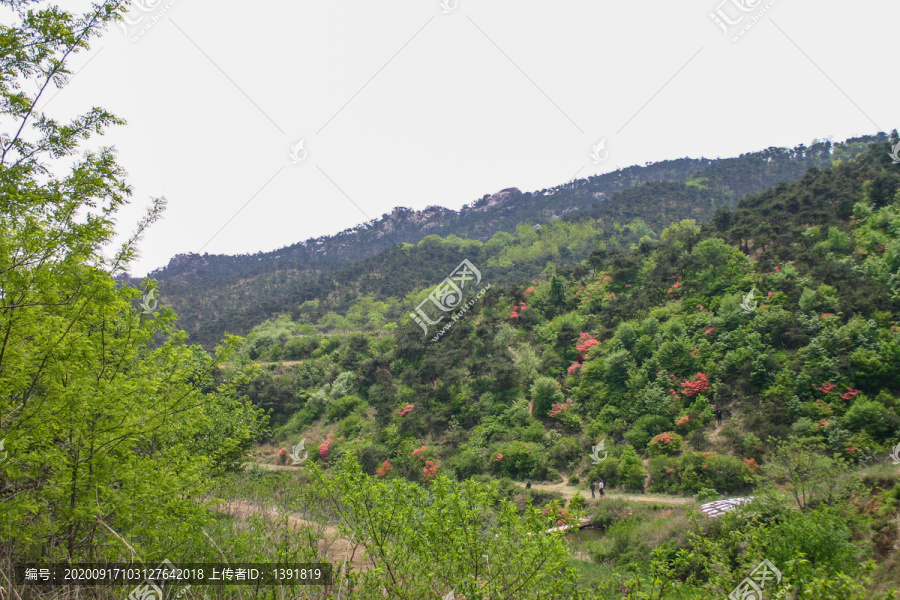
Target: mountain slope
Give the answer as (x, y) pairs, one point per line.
(213, 294)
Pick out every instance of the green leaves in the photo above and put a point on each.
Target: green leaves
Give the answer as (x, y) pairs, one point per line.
(114, 423)
(424, 541)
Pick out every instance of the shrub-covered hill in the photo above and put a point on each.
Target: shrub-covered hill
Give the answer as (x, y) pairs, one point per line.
(217, 294)
(784, 313)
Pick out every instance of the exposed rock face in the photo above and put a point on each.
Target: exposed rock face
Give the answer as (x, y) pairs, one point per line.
(499, 199)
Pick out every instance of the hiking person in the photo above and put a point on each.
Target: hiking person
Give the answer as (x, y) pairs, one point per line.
(593, 486)
(718, 415)
(600, 487)
(528, 486)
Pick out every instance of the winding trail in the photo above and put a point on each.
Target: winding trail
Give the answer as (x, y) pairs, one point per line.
(329, 540)
(569, 491)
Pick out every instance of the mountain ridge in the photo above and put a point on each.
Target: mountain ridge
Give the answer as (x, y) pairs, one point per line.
(201, 288)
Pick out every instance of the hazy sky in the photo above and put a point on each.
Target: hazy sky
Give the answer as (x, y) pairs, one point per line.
(411, 103)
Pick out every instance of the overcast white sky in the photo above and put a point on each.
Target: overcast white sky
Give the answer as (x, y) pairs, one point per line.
(403, 104)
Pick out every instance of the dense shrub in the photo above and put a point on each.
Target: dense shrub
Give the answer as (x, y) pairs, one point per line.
(665, 444)
(694, 471)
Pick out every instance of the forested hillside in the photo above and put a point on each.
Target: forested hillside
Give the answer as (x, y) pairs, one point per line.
(429, 417)
(782, 313)
(217, 294)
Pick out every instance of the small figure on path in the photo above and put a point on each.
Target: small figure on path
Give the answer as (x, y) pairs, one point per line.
(528, 486)
(718, 415)
(600, 487)
(593, 486)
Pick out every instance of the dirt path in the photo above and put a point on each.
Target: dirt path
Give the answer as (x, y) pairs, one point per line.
(569, 491)
(269, 467)
(335, 547)
(281, 363)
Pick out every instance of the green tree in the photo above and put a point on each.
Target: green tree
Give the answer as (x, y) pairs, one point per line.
(545, 393)
(808, 473)
(427, 540)
(112, 423)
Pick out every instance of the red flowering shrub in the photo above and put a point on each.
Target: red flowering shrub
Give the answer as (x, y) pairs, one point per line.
(586, 341)
(325, 446)
(406, 410)
(529, 291)
(498, 457)
(850, 394)
(826, 387)
(751, 463)
(561, 515)
(665, 444)
(429, 470)
(574, 367)
(383, 469)
(419, 451)
(561, 407)
(709, 330)
(696, 384)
